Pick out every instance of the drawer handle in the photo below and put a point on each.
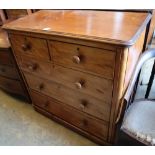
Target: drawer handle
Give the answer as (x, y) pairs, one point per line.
(41, 86)
(79, 84)
(83, 104)
(26, 47)
(84, 123)
(76, 59)
(33, 67)
(46, 104)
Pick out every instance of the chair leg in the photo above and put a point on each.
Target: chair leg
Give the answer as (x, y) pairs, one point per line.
(150, 81)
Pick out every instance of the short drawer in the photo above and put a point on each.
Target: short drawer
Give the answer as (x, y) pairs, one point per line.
(95, 86)
(73, 98)
(6, 57)
(40, 68)
(88, 59)
(9, 72)
(34, 47)
(79, 119)
(12, 86)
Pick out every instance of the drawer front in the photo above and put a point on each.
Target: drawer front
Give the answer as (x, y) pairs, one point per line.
(73, 98)
(86, 83)
(9, 72)
(35, 66)
(9, 85)
(72, 116)
(6, 58)
(93, 60)
(33, 47)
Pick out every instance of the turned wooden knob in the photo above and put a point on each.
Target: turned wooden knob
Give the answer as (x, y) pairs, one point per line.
(41, 86)
(46, 104)
(84, 122)
(76, 59)
(78, 85)
(83, 104)
(26, 47)
(32, 67)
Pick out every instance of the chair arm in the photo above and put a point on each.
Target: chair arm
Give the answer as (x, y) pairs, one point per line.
(143, 58)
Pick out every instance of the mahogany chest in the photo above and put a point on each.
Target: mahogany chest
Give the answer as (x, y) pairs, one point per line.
(10, 78)
(77, 64)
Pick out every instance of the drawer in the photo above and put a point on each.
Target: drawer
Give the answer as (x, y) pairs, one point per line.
(9, 72)
(88, 59)
(79, 119)
(68, 96)
(35, 66)
(6, 57)
(86, 83)
(12, 86)
(34, 47)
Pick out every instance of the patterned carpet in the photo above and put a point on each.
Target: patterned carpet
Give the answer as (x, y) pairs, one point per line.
(21, 125)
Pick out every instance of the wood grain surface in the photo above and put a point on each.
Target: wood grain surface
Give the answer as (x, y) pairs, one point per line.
(112, 27)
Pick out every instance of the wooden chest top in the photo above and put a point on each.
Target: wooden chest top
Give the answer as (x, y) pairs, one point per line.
(4, 41)
(121, 28)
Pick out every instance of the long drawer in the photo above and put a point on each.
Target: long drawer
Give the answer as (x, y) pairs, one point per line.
(10, 72)
(6, 57)
(95, 86)
(34, 47)
(73, 98)
(9, 85)
(72, 116)
(88, 59)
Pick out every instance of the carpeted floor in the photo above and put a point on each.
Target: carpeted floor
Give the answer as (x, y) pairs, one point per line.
(21, 125)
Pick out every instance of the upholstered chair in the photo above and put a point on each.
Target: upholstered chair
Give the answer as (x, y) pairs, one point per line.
(139, 118)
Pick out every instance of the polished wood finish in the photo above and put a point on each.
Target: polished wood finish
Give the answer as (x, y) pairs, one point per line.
(12, 86)
(133, 56)
(13, 14)
(151, 25)
(82, 78)
(78, 118)
(86, 83)
(75, 99)
(6, 57)
(36, 66)
(10, 77)
(4, 41)
(83, 58)
(116, 27)
(9, 72)
(30, 46)
(72, 127)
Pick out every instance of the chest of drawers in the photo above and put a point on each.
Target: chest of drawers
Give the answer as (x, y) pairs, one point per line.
(10, 79)
(77, 65)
